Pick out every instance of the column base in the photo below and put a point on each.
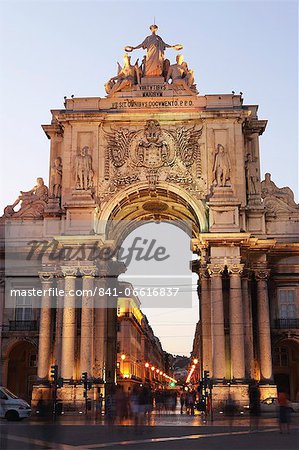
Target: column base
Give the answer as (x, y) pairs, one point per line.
(267, 390)
(70, 397)
(238, 392)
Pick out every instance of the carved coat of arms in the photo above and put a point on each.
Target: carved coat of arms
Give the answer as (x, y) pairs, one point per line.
(151, 152)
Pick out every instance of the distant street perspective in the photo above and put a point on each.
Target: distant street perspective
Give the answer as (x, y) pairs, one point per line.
(149, 285)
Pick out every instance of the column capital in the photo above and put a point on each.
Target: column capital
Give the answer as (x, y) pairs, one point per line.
(46, 275)
(235, 269)
(69, 271)
(88, 271)
(215, 270)
(261, 273)
(246, 274)
(203, 273)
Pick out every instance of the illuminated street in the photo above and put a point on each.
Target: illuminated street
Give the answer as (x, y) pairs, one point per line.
(165, 432)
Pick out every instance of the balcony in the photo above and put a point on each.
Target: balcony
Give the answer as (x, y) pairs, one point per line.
(23, 325)
(286, 324)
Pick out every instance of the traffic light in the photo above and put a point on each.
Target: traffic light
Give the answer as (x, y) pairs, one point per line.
(54, 373)
(84, 377)
(206, 374)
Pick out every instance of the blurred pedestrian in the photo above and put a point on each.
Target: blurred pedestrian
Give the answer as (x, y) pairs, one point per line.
(284, 412)
(99, 407)
(230, 409)
(254, 406)
(182, 401)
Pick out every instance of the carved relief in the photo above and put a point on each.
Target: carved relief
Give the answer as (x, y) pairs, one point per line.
(83, 170)
(187, 143)
(150, 154)
(118, 145)
(33, 202)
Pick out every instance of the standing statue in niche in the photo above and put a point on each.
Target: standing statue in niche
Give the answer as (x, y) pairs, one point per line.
(252, 174)
(155, 47)
(83, 170)
(221, 168)
(56, 178)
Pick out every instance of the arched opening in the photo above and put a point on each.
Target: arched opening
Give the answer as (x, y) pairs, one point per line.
(286, 367)
(139, 203)
(22, 359)
(161, 218)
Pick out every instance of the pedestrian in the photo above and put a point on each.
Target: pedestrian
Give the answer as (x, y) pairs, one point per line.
(182, 401)
(99, 408)
(230, 409)
(284, 412)
(254, 406)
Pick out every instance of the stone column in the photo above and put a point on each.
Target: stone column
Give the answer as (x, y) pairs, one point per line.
(44, 339)
(69, 323)
(236, 325)
(264, 332)
(59, 320)
(2, 305)
(217, 321)
(205, 320)
(248, 332)
(88, 274)
(100, 326)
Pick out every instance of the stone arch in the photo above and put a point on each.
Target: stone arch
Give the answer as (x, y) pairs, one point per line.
(21, 357)
(165, 203)
(286, 365)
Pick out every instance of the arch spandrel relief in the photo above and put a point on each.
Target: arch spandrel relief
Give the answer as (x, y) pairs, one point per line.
(153, 154)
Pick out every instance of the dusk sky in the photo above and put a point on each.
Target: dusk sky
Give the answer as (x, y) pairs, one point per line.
(50, 49)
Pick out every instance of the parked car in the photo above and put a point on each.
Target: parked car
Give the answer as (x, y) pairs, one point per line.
(270, 404)
(12, 407)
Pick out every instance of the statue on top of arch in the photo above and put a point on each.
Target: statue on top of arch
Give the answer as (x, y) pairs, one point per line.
(153, 66)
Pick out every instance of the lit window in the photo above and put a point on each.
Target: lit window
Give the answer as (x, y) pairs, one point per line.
(287, 304)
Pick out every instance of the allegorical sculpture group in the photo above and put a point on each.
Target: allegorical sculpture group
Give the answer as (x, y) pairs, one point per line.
(153, 65)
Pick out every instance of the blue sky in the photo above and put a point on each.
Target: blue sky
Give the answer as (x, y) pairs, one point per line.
(57, 48)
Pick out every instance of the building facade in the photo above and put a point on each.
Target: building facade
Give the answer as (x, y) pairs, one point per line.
(153, 149)
(140, 357)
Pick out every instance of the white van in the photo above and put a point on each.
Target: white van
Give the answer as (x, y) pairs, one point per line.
(12, 407)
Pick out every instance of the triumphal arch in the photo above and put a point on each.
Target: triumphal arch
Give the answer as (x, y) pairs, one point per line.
(157, 149)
